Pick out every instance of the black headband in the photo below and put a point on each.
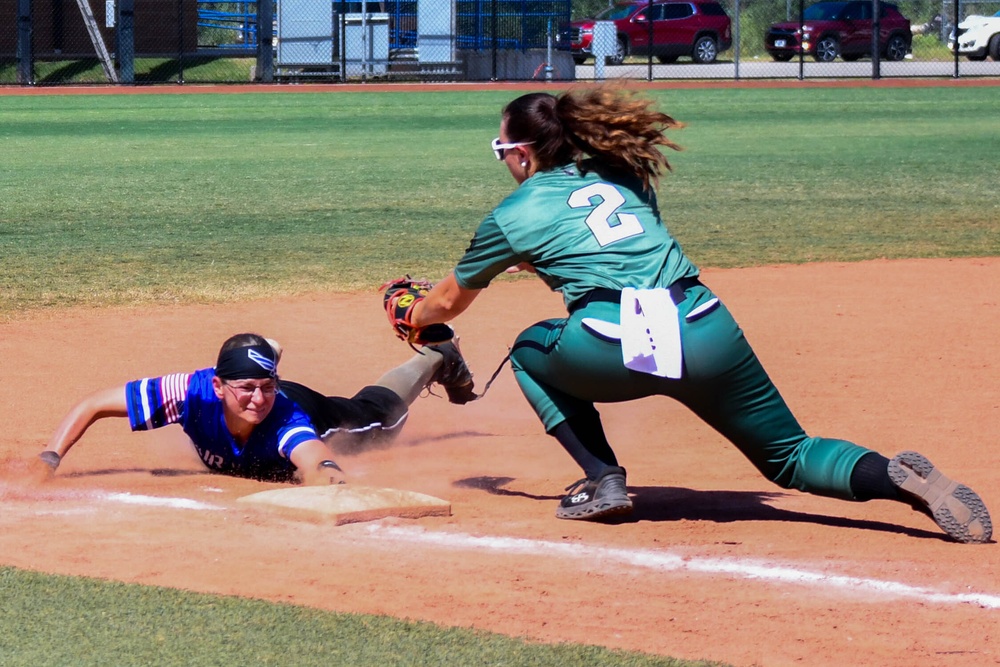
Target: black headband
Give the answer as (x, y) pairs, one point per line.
(255, 362)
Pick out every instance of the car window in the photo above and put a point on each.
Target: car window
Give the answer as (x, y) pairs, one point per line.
(679, 10)
(616, 12)
(641, 15)
(712, 9)
(823, 11)
(853, 12)
(653, 11)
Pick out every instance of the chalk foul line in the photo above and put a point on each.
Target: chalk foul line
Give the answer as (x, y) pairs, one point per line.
(660, 561)
(663, 561)
(158, 501)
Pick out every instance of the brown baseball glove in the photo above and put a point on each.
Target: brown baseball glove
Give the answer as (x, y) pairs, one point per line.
(401, 296)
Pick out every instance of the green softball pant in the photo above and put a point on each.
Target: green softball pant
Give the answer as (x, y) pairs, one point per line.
(564, 368)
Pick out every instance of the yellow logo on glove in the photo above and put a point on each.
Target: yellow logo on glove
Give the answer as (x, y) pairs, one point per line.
(405, 301)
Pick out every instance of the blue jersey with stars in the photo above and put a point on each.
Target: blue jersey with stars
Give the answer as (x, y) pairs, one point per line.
(189, 399)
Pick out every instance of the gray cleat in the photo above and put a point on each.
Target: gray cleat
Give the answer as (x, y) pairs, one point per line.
(957, 509)
(596, 499)
(454, 375)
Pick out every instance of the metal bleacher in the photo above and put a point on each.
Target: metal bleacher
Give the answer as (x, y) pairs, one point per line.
(380, 38)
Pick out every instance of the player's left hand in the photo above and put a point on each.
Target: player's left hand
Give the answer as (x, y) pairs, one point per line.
(401, 297)
(43, 467)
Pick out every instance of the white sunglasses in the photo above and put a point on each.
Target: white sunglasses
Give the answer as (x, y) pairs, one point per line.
(499, 148)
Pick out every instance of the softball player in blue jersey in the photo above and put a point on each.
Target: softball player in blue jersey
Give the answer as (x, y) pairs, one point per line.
(585, 219)
(246, 422)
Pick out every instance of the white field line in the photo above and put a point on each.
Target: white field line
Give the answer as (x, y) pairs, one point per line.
(158, 501)
(662, 561)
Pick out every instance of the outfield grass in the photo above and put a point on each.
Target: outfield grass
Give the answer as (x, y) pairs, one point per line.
(161, 198)
(54, 620)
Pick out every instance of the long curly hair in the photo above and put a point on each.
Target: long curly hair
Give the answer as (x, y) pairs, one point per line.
(612, 125)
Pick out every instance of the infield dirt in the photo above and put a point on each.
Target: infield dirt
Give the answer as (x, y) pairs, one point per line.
(715, 563)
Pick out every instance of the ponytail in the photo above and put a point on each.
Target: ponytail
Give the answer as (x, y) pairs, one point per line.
(613, 126)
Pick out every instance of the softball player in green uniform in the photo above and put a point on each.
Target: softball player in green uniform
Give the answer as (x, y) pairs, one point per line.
(640, 323)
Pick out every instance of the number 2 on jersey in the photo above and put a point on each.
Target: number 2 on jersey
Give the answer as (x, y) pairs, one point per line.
(604, 221)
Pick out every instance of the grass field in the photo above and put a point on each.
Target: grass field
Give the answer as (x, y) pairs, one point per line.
(50, 620)
(162, 198)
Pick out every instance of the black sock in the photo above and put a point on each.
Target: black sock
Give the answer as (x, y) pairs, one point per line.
(870, 479)
(582, 436)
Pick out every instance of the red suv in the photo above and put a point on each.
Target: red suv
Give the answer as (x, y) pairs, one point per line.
(696, 28)
(844, 29)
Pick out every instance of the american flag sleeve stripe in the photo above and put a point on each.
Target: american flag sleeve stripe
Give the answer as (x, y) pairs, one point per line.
(156, 402)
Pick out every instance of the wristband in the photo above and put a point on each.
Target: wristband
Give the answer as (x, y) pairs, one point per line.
(328, 464)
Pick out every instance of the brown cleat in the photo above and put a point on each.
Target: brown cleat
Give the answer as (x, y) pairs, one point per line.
(957, 509)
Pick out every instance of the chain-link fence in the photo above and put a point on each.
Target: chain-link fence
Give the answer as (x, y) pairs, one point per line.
(55, 42)
(803, 39)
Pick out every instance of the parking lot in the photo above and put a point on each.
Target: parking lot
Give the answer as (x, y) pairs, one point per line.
(809, 69)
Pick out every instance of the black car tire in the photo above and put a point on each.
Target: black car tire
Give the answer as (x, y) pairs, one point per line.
(994, 48)
(705, 50)
(621, 50)
(896, 48)
(782, 57)
(977, 59)
(827, 49)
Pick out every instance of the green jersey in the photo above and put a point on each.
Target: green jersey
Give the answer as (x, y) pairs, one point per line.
(580, 231)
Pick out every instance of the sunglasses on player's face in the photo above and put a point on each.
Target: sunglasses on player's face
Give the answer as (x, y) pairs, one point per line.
(499, 148)
(246, 390)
